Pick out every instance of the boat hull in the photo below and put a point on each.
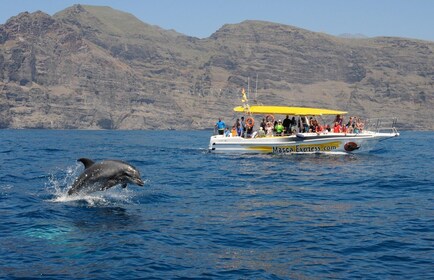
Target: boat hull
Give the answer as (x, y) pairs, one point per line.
(300, 143)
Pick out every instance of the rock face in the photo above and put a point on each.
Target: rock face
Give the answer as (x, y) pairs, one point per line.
(97, 68)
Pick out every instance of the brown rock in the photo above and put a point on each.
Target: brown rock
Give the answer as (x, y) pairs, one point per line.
(97, 68)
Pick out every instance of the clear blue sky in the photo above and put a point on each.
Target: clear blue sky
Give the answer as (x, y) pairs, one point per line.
(200, 18)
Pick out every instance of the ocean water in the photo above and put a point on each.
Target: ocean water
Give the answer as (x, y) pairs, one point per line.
(207, 216)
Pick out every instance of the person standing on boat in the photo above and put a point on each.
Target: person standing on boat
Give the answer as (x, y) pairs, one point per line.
(287, 124)
(238, 127)
(242, 127)
(279, 128)
(293, 125)
(339, 119)
(263, 124)
(220, 125)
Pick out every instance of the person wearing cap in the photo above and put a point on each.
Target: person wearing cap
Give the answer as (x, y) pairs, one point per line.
(279, 128)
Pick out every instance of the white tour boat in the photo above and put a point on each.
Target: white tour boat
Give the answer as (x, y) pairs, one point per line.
(300, 138)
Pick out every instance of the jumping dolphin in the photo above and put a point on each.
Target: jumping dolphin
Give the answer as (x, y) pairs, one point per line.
(103, 175)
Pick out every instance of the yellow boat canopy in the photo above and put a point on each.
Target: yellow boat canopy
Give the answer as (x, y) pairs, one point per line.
(283, 110)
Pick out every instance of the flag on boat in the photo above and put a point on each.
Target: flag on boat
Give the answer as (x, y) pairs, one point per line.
(243, 92)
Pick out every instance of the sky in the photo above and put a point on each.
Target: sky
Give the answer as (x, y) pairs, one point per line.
(200, 18)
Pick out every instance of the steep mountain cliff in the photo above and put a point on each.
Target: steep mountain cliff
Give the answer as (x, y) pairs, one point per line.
(94, 67)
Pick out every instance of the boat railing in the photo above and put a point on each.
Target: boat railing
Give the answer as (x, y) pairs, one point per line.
(381, 125)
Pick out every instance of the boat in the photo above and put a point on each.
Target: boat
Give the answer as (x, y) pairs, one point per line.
(303, 136)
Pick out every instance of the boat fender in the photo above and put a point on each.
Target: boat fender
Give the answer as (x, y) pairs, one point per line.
(250, 122)
(351, 146)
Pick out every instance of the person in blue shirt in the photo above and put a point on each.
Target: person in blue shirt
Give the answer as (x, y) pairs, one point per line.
(220, 125)
(227, 132)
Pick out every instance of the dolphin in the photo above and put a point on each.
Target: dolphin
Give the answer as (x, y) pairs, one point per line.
(103, 175)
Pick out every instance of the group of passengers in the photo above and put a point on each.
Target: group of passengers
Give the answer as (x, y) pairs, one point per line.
(354, 125)
(270, 127)
(278, 128)
(242, 128)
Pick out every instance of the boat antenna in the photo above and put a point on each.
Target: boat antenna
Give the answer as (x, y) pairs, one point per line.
(256, 90)
(248, 87)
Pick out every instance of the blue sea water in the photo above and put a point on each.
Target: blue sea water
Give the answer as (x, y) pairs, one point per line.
(207, 216)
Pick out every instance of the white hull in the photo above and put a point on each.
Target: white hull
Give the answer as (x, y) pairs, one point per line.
(300, 143)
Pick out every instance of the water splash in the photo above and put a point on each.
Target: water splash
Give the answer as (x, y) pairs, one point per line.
(60, 180)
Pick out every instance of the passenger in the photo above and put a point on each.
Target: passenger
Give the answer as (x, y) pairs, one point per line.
(353, 125)
(305, 124)
(261, 132)
(293, 128)
(263, 124)
(238, 126)
(242, 127)
(337, 127)
(360, 125)
(300, 125)
(249, 132)
(227, 132)
(344, 129)
(350, 122)
(220, 125)
(234, 131)
(269, 129)
(279, 128)
(249, 125)
(339, 119)
(286, 124)
(311, 125)
(316, 124)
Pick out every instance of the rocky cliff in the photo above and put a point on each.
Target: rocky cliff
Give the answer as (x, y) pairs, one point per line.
(94, 67)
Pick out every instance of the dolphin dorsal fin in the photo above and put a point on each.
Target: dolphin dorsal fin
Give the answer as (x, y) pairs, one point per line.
(87, 162)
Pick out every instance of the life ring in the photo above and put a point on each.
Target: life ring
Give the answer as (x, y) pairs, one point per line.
(250, 122)
(269, 118)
